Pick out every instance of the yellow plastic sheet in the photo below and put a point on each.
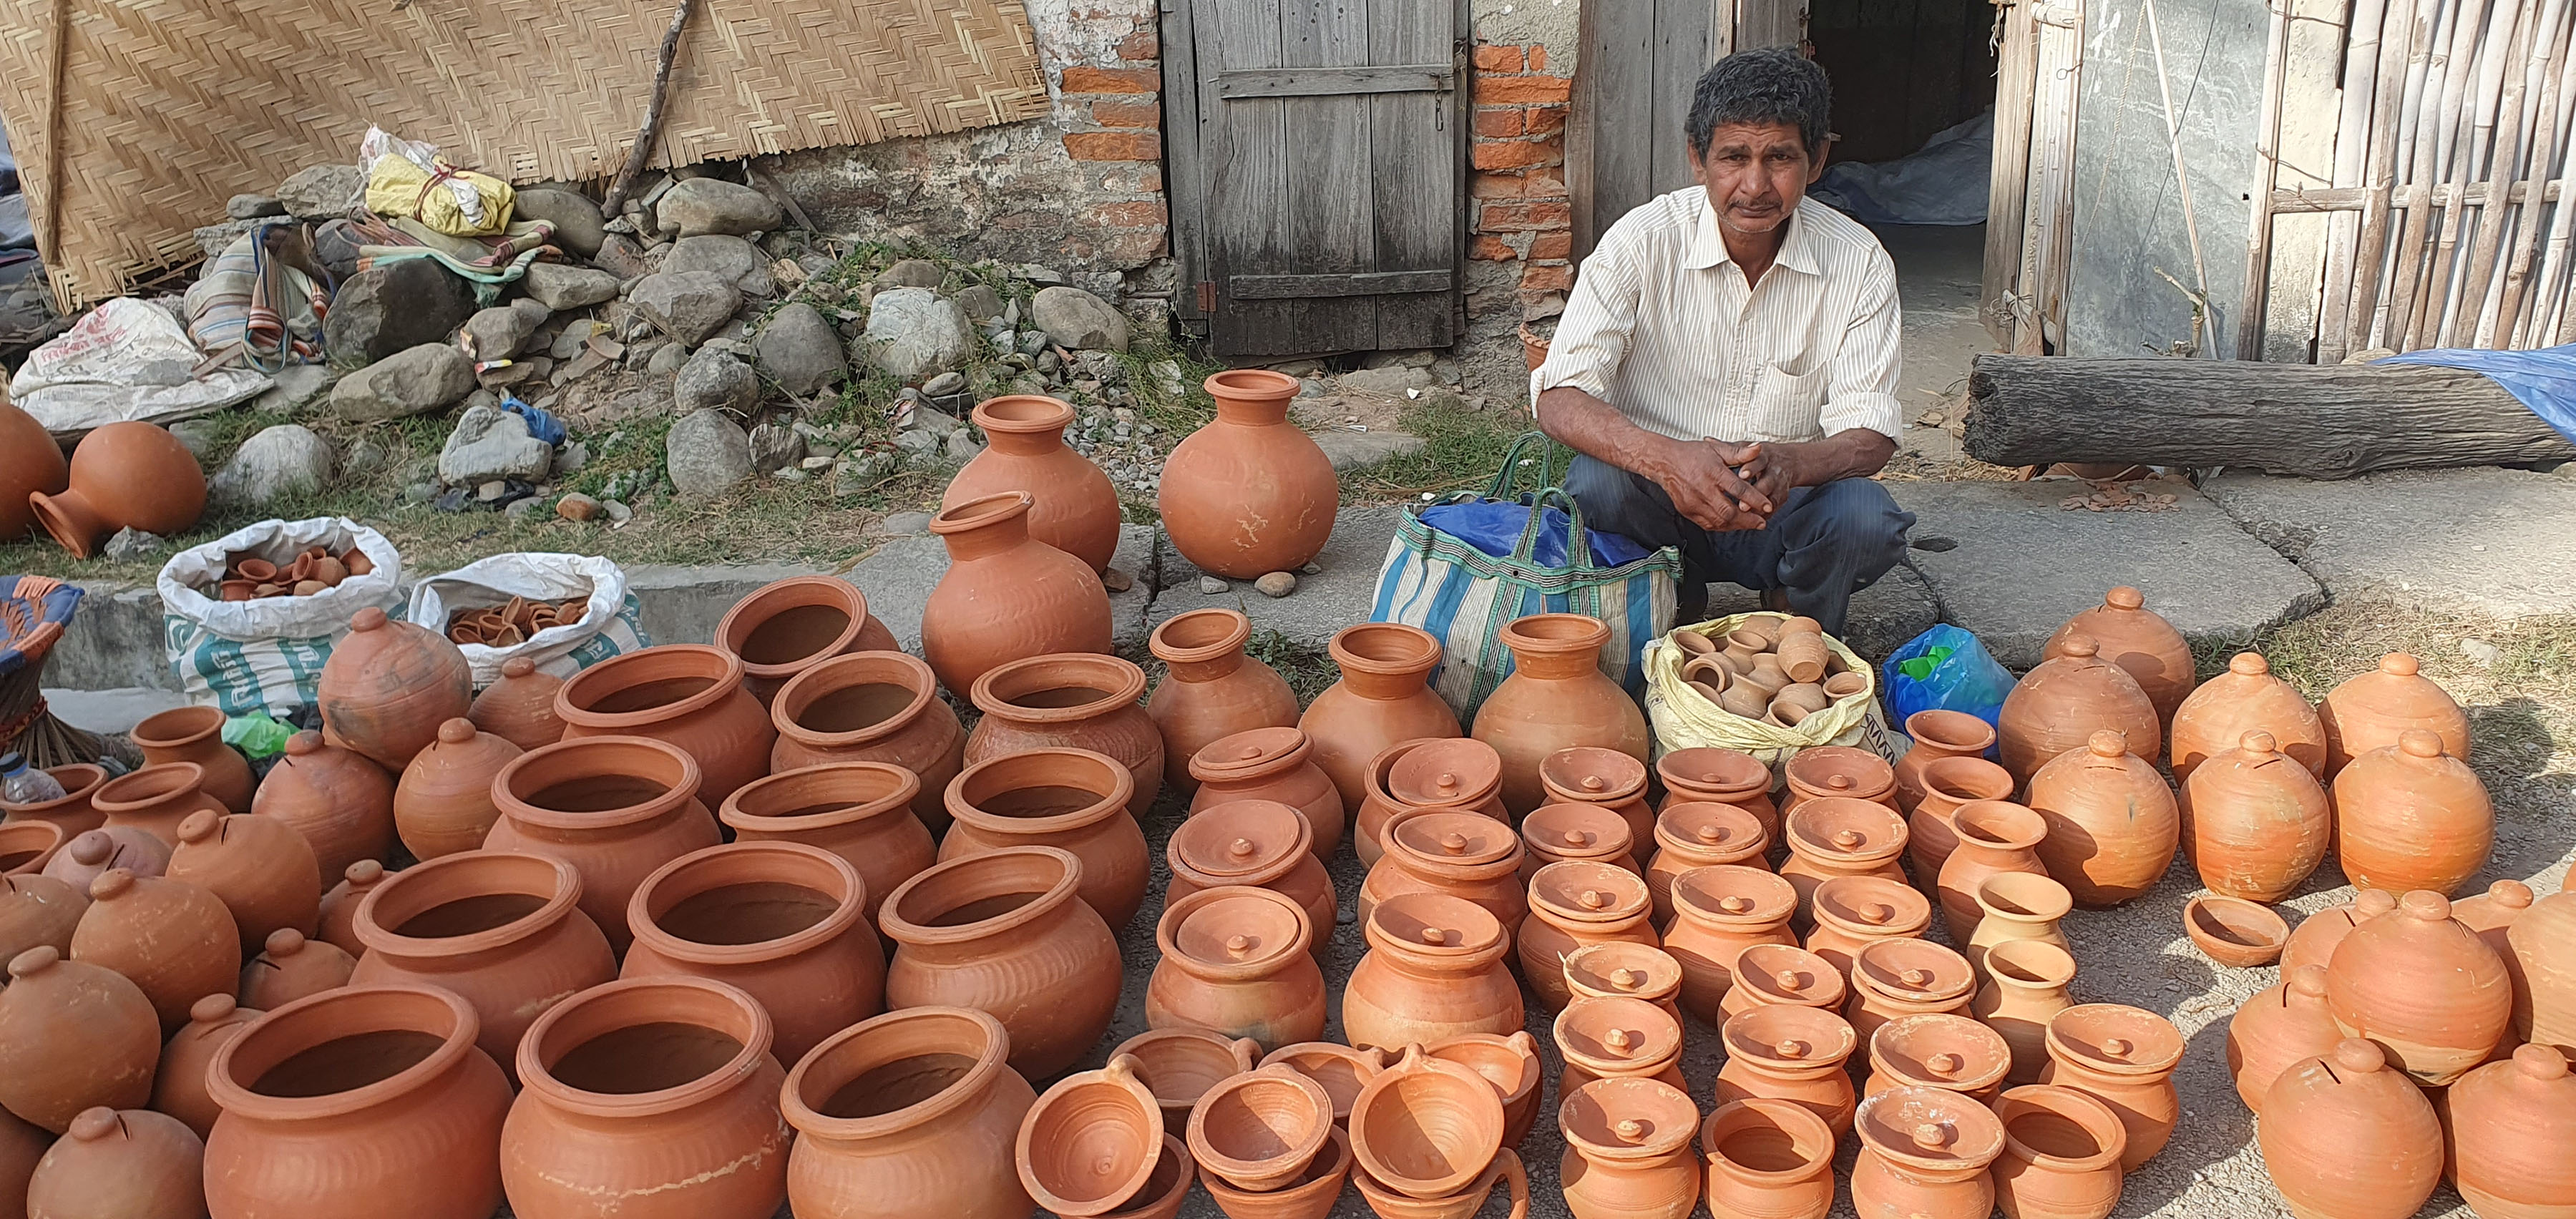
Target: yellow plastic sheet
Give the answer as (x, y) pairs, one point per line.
(1684, 719)
(397, 187)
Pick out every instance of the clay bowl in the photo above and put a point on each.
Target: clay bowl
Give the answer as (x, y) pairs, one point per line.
(1388, 1203)
(1510, 1064)
(1180, 1065)
(1259, 1130)
(1426, 1127)
(1311, 1197)
(1339, 1069)
(1167, 1188)
(2233, 931)
(1091, 1142)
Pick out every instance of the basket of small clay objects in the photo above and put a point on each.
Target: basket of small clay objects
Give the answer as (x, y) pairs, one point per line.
(1765, 683)
(250, 617)
(565, 612)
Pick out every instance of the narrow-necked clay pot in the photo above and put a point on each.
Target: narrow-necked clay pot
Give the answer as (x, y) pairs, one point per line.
(2506, 1126)
(1175, 1171)
(1008, 933)
(1617, 969)
(1076, 511)
(910, 1115)
(1789, 1053)
(684, 695)
(2408, 816)
(1924, 1152)
(2544, 978)
(1700, 834)
(1555, 698)
(259, 867)
(1381, 699)
(179, 1084)
(124, 475)
(1573, 904)
(787, 627)
(1590, 774)
(1937, 734)
(2113, 825)
(173, 938)
(1090, 1142)
(92, 852)
(1783, 973)
(1236, 961)
(2432, 994)
(340, 800)
(388, 686)
(652, 1098)
(872, 707)
(1718, 912)
(443, 803)
(1258, 1130)
(1249, 493)
(2141, 642)
(1938, 1051)
(1462, 854)
(1444, 773)
(2372, 710)
(1768, 1158)
(519, 706)
(1506, 1171)
(132, 1164)
(784, 922)
(2234, 932)
(155, 799)
(2346, 1137)
(1073, 701)
(2124, 1057)
(73, 811)
(2024, 989)
(1253, 842)
(2316, 937)
(1271, 764)
(195, 734)
(27, 846)
(1434, 970)
(1628, 1150)
(1510, 1063)
(1311, 1196)
(30, 464)
(1211, 689)
(860, 811)
(615, 808)
(2069, 697)
(1852, 912)
(1341, 1070)
(338, 922)
(1616, 1039)
(73, 1035)
(38, 910)
(2280, 1025)
(1948, 785)
(1425, 1127)
(1180, 1064)
(2061, 1155)
(1006, 595)
(1892, 978)
(1993, 837)
(1833, 836)
(1069, 798)
(290, 967)
(2255, 821)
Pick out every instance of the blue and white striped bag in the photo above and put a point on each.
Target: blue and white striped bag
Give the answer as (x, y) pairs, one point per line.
(1464, 596)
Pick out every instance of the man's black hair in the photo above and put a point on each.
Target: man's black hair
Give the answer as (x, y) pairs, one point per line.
(1767, 85)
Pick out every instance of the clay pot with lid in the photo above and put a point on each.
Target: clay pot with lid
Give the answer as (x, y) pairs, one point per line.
(30, 464)
(860, 811)
(27, 846)
(1090, 1142)
(1925, 1152)
(1993, 837)
(1949, 784)
(2432, 994)
(338, 798)
(1838, 771)
(290, 967)
(1555, 698)
(1604, 777)
(125, 475)
(179, 1083)
(1852, 912)
(1937, 734)
(1574, 904)
(2280, 1025)
(1782, 973)
(1236, 961)
(1076, 511)
(1892, 978)
(2317, 936)
(1311, 1194)
(615, 808)
(173, 938)
(92, 852)
(1210, 689)
(786, 627)
(2409, 816)
(1833, 836)
(1426, 1127)
(155, 800)
(2346, 1137)
(2059, 705)
(2372, 710)
(2140, 641)
(2123, 1057)
(1617, 969)
(1938, 1051)
(2544, 973)
(685, 695)
(1072, 799)
(1075, 701)
(784, 922)
(2024, 989)
(1590, 832)
(1617, 1039)
(1699, 834)
(1180, 1064)
(1262, 843)
(1434, 970)
(1381, 699)
(2014, 907)
(259, 867)
(1443, 773)
(73, 811)
(2246, 698)
(1006, 595)
(195, 734)
(2061, 1155)
(2492, 914)
(2255, 821)
(519, 706)
(2234, 932)
(1007, 932)
(1510, 1063)
(504, 931)
(910, 1115)
(1462, 854)
(2506, 1126)
(872, 707)
(1707, 774)
(388, 686)
(653, 1098)
(73, 1035)
(443, 803)
(1768, 1159)
(1258, 1131)
(1271, 764)
(1718, 912)
(2113, 825)
(1628, 1150)
(1249, 493)
(1339, 1069)
(130, 1164)
(363, 1100)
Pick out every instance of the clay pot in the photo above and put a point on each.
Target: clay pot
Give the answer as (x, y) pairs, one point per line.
(1588, 832)
(1506, 1170)
(1271, 764)
(1838, 771)
(2372, 710)
(444, 802)
(259, 867)
(1076, 510)
(290, 967)
(1993, 837)
(519, 707)
(1211, 690)
(910, 1115)
(2255, 821)
(1090, 1142)
(1077, 701)
(2059, 705)
(21, 1147)
(1447, 774)
(1555, 698)
(93, 852)
(2112, 823)
(388, 686)
(1852, 912)
(2409, 816)
(1425, 1127)
(2234, 932)
(2346, 1138)
(1718, 912)
(1833, 836)
(1620, 970)
(860, 811)
(30, 464)
(1603, 777)
(1434, 970)
(1697, 834)
(872, 707)
(505, 931)
(179, 1084)
(367, 1099)
(2017, 906)
(133, 1164)
(1574, 904)
(2505, 1126)
(1462, 854)
(2025, 988)
(1006, 596)
(1937, 734)
(1892, 978)
(615, 808)
(2492, 914)
(1617, 1039)
(1236, 961)
(791, 625)
(27, 846)
(173, 938)
(2280, 1025)
(1068, 798)
(1768, 1159)
(339, 799)
(1006, 932)
(195, 734)
(684, 695)
(1782, 973)
(1788, 1053)
(2544, 973)
(1262, 843)
(1924, 1152)
(1509, 1063)
(2432, 994)
(38, 910)
(1181, 1064)
(2061, 1155)
(1258, 1130)
(2123, 1057)
(2140, 641)
(783, 922)
(1628, 1152)
(1249, 493)
(73, 811)
(1341, 1070)
(1948, 785)
(1169, 1186)
(2319, 934)
(1380, 700)
(155, 800)
(338, 921)
(1312, 1196)
(2246, 698)
(125, 475)
(73, 1035)
(1938, 1051)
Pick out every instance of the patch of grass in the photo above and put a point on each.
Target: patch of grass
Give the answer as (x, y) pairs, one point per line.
(1309, 670)
(1462, 450)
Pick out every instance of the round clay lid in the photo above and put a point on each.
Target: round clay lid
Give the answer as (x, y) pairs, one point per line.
(1871, 902)
(1240, 838)
(1930, 1128)
(1840, 770)
(1916, 970)
(1941, 1051)
(1459, 838)
(1709, 768)
(1707, 825)
(1838, 828)
(2540, 1062)
(1735, 893)
(1781, 973)
(1235, 928)
(1584, 830)
(2116, 1039)
(1582, 891)
(1787, 1036)
(1621, 967)
(1628, 1119)
(1590, 773)
(1247, 754)
(1445, 773)
(1436, 924)
(1615, 1031)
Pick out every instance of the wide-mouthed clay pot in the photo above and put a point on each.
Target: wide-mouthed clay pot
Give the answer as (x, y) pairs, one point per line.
(1768, 1158)
(1555, 698)
(155, 800)
(2123, 1057)
(1590, 774)
(1505, 1171)
(38, 910)
(2113, 825)
(2280, 1025)
(363, 1100)
(1573, 904)
(1937, 734)
(1892, 978)
(1617, 969)
(1425, 1127)
(2432, 994)
(340, 800)
(1076, 511)
(125, 475)
(2345, 1137)
(519, 707)
(290, 967)
(2234, 932)
(615, 808)
(1341, 1070)
(1510, 1063)
(1262, 843)
(1180, 1064)
(2408, 816)
(1090, 1142)
(73, 810)
(1007, 932)
(1628, 1150)
(130, 1163)
(684, 695)
(1073, 701)
(1949, 784)
(2024, 989)
(2059, 705)
(2061, 1155)
(1938, 1051)
(73, 1035)
(1434, 970)
(653, 1098)
(388, 686)
(1236, 961)
(1852, 912)
(1707, 774)
(1312, 1195)
(787, 627)
(30, 464)
(1699, 834)
(2316, 937)
(1831, 836)
(1271, 764)
(27, 846)
(179, 1083)
(196, 734)
(443, 803)
(1382, 698)
(1616, 1039)
(259, 867)
(2372, 710)
(872, 707)
(1210, 689)
(2506, 1126)
(1249, 493)
(1993, 837)
(1794, 1054)
(1462, 854)
(2140, 641)
(2255, 821)
(1258, 1130)
(860, 811)
(2544, 975)
(1718, 912)
(173, 938)
(2246, 698)
(1450, 774)
(1924, 1152)
(910, 1115)
(1069, 798)
(784, 922)
(1006, 595)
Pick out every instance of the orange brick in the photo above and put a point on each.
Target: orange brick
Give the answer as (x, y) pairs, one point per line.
(1127, 114)
(1544, 120)
(1552, 245)
(1491, 249)
(1495, 186)
(1538, 57)
(1548, 183)
(1492, 58)
(1503, 218)
(1556, 278)
(1083, 78)
(1114, 146)
(1137, 214)
(1494, 121)
(1543, 215)
(1516, 90)
(1143, 44)
(1511, 154)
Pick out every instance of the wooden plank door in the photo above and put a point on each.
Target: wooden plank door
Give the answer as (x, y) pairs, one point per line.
(1323, 164)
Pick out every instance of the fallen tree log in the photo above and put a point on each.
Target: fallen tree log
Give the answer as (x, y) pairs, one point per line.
(2316, 421)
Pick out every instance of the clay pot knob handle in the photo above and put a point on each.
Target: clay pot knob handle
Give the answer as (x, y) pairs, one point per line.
(1238, 946)
(303, 743)
(2117, 1047)
(1241, 848)
(110, 885)
(1735, 903)
(1791, 1049)
(1877, 913)
(2425, 904)
(1578, 838)
(1915, 978)
(1619, 1040)
(2416, 742)
(1933, 1136)
(1593, 899)
(371, 618)
(1945, 1064)
(1627, 979)
(34, 961)
(2108, 743)
(212, 1008)
(2259, 741)
(91, 848)
(1454, 843)
(2309, 980)
(1435, 936)
(2125, 598)
(1849, 840)
(2511, 894)
(1710, 834)
(2080, 646)
(2249, 664)
(2372, 903)
(363, 873)
(1447, 782)
(1629, 1130)
(518, 666)
(456, 731)
(285, 942)
(94, 1123)
(199, 826)
(2355, 1054)
(1250, 752)
(1789, 980)
(2539, 1061)
(1840, 783)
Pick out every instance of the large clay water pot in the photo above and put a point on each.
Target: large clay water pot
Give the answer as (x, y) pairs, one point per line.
(1236, 961)
(1077, 510)
(1090, 1142)
(1555, 698)
(1718, 912)
(1181, 1063)
(1249, 493)
(131, 1164)
(2408, 816)
(1258, 1130)
(1628, 1150)
(443, 803)
(1074, 701)
(30, 464)
(1262, 843)
(2345, 1137)
(92, 853)
(388, 686)
(614, 807)
(2059, 705)
(1925, 1152)
(2140, 641)
(860, 811)
(2372, 710)
(910, 1115)
(519, 707)
(1434, 970)
(196, 734)
(1462, 854)
(1510, 1063)
(1210, 689)
(872, 707)
(2125, 1058)
(173, 938)
(2544, 972)
(1994, 837)
(1007, 932)
(1425, 1127)
(73, 811)
(2025, 988)
(2506, 1126)
(179, 1083)
(2061, 1155)
(1699, 834)
(2255, 821)
(340, 800)
(1948, 785)
(27, 846)
(258, 867)
(289, 967)
(1069, 798)
(1271, 764)
(1852, 912)
(1006, 595)
(1937, 734)
(1721, 776)
(2113, 825)
(1607, 778)
(73, 1035)
(2428, 991)
(1382, 698)
(154, 799)
(2280, 1025)
(1938, 1051)
(685, 695)
(1768, 1159)
(2317, 936)
(123, 476)
(1448, 774)
(1617, 1039)
(1573, 904)
(2246, 698)
(783, 922)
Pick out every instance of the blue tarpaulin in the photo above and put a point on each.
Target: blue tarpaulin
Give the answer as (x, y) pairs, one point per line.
(2544, 380)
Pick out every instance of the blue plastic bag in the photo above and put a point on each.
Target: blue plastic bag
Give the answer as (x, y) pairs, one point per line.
(1495, 527)
(1949, 669)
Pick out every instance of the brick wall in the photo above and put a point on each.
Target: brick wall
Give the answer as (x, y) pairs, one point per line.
(1521, 217)
(1112, 115)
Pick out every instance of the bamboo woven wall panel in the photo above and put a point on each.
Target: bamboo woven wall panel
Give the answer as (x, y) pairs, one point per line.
(165, 108)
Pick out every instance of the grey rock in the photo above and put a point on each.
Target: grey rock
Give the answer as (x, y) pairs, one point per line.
(282, 461)
(911, 273)
(363, 457)
(919, 444)
(1390, 381)
(1033, 342)
(523, 507)
(214, 239)
(1210, 586)
(410, 382)
(791, 474)
(198, 436)
(392, 307)
(1042, 276)
(963, 447)
(2491, 541)
(2481, 653)
(294, 387)
(489, 444)
(572, 457)
(1103, 284)
(913, 333)
(732, 259)
(618, 512)
(932, 420)
(800, 351)
(715, 380)
(574, 337)
(323, 192)
(420, 493)
(709, 205)
(254, 207)
(980, 302)
(707, 454)
(689, 306)
(667, 359)
(1078, 320)
(814, 460)
(1276, 584)
(577, 220)
(1360, 450)
(563, 288)
(132, 545)
(908, 524)
(1311, 569)
(943, 385)
(621, 256)
(774, 447)
(499, 332)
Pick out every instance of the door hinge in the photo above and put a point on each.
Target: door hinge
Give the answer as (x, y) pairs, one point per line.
(1207, 296)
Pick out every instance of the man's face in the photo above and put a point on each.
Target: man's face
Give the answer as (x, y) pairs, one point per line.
(1755, 173)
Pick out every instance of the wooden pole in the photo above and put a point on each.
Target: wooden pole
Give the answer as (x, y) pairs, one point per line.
(652, 129)
(2402, 41)
(2353, 140)
(2436, 122)
(2042, 283)
(2550, 282)
(2511, 319)
(2267, 173)
(2008, 189)
(2483, 288)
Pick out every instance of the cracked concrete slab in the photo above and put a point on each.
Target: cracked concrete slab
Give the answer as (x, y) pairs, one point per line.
(899, 576)
(2493, 541)
(1337, 596)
